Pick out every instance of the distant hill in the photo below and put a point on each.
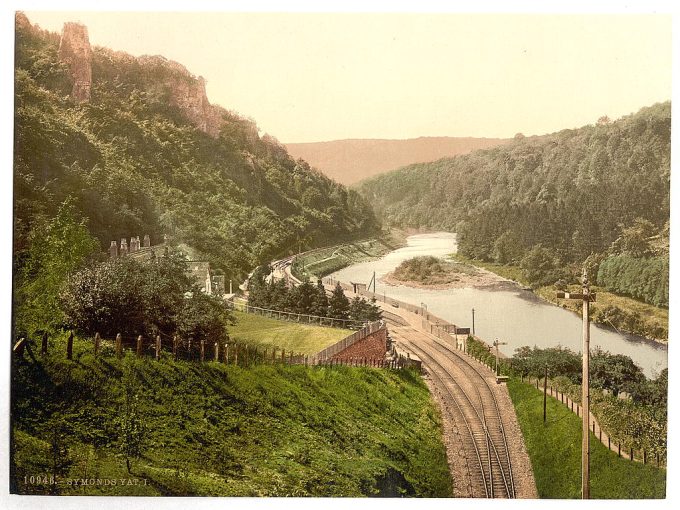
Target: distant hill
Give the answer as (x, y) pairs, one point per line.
(350, 161)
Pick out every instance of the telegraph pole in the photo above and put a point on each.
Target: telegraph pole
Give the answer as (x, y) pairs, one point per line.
(586, 297)
(473, 322)
(496, 343)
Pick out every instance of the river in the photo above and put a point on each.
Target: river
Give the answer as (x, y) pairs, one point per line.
(515, 316)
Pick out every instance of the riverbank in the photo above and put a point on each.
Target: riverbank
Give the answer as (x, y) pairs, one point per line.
(622, 313)
(324, 261)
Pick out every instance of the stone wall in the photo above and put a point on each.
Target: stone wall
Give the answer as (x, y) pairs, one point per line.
(374, 346)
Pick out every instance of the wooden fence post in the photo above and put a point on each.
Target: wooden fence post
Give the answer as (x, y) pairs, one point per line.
(631, 454)
(158, 347)
(97, 341)
(236, 354)
(43, 347)
(217, 351)
(226, 352)
(283, 355)
(202, 349)
(20, 346)
(644, 456)
(619, 448)
(69, 346)
(609, 442)
(139, 345)
(119, 345)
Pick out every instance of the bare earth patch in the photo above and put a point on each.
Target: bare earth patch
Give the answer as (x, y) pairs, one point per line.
(453, 278)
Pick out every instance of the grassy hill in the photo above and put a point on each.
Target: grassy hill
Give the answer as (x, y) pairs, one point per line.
(220, 430)
(291, 336)
(555, 452)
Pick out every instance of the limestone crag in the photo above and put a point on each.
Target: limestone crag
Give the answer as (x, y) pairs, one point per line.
(187, 93)
(76, 52)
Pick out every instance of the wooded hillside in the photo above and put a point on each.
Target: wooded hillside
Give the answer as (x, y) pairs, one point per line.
(134, 164)
(601, 189)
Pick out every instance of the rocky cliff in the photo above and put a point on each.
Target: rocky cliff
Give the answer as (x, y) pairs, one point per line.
(76, 52)
(187, 92)
(184, 90)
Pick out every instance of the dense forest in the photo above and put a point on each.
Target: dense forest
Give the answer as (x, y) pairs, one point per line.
(552, 201)
(130, 163)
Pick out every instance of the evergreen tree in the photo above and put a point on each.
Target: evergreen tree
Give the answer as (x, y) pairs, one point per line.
(320, 301)
(338, 304)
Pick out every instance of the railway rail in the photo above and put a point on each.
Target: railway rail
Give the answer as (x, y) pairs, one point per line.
(475, 410)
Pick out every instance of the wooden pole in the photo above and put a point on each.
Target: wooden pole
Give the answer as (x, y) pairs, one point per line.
(97, 341)
(217, 351)
(69, 346)
(119, 346)
(43, 347)
(585, 446)
(158, 347)
(586, 297)
(139, 345)
(202, 349)
(545, 393)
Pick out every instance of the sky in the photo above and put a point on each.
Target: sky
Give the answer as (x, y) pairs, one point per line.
(314, 77)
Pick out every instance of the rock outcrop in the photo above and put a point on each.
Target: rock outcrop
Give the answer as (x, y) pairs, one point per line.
(76, 52)
(187, 92)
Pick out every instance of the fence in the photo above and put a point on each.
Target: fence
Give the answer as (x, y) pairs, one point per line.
(343, 344)
(297, 317)
(203, 351)
(430, 322)
(602, 436)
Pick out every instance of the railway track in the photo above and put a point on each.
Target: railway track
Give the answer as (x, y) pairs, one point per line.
(474, 409)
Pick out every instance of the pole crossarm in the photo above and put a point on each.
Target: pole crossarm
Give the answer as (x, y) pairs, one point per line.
(579, 296)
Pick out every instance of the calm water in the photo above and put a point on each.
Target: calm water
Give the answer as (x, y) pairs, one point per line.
(508, 313)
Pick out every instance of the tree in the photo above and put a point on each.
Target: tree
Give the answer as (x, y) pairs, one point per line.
(507, 248)
(302, 298)
(614, 372)
(57, 247)
(361, 310)
(635, 240)
(539, 267)
(130, 297)
(204, 317)
(320, 301)
(338, 304)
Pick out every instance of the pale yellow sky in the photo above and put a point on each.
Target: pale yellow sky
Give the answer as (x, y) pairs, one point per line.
(314, 77)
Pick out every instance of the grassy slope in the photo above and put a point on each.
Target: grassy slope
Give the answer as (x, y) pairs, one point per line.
(222, 430)
(328, 260)
(555, 452)
(650, 314)
(291, 336)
